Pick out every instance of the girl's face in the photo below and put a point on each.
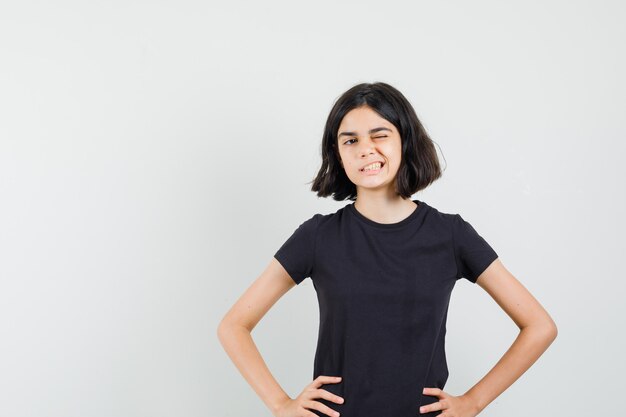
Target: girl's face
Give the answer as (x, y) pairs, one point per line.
(365, 137)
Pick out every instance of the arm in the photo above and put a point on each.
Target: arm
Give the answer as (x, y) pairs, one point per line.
(537, 332)
(234, 332)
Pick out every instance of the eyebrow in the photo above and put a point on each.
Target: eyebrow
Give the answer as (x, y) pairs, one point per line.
(374, 130)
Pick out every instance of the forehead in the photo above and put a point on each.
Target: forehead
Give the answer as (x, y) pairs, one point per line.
(363, 119)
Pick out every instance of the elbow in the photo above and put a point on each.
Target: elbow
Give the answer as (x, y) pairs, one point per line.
(220, 331)
(227, 328)
(553, 331)
(223, 329)
(544, 330)
(549, 331)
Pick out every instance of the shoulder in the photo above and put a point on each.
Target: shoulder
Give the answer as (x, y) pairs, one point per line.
(448, 223)
(451, 218)
(326, 220)
(317, 219)
(439, 220)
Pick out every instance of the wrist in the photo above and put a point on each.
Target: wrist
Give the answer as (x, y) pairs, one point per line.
(475, 401)
(279, 403)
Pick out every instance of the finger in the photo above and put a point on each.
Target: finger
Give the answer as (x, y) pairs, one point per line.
(323, 379)
(322, 393)
(433, 391)
(316, 405)
(431, 407)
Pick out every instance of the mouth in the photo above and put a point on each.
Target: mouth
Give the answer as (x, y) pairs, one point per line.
(373, 167)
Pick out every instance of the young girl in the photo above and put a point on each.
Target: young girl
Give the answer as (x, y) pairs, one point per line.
(383, 268)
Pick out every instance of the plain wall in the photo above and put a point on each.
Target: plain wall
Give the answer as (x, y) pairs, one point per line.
(155, 155)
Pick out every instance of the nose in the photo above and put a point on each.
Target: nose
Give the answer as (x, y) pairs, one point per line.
(366, 149)
(365, 152)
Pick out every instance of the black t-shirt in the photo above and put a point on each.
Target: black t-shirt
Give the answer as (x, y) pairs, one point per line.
(383, 292)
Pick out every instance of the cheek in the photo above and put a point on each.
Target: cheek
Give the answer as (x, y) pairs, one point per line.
(394, 163)
(394, 168)
(397, 156)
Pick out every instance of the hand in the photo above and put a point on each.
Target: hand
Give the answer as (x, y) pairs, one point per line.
(299, 407)
(450, 405)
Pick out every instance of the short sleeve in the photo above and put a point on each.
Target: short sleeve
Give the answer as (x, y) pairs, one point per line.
(472, 252)
(297, 254)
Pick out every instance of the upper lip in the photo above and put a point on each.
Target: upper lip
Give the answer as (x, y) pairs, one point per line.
(370, 163)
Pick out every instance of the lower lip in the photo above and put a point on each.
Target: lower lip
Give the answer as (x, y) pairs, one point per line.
(372, 171)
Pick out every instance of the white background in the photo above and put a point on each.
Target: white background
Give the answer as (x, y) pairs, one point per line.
(155, 155)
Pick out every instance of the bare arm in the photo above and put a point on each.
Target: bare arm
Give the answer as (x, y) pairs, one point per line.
(537, 332)
(234, 332)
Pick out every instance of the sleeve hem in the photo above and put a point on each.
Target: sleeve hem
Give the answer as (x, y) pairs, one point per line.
(484, 266)
(287, 268)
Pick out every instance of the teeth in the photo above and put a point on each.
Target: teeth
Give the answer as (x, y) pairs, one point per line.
(375, 165)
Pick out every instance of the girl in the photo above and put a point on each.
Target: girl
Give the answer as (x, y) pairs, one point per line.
(383, 268)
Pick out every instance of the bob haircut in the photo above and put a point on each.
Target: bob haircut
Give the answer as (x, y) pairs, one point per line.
(419, 166)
